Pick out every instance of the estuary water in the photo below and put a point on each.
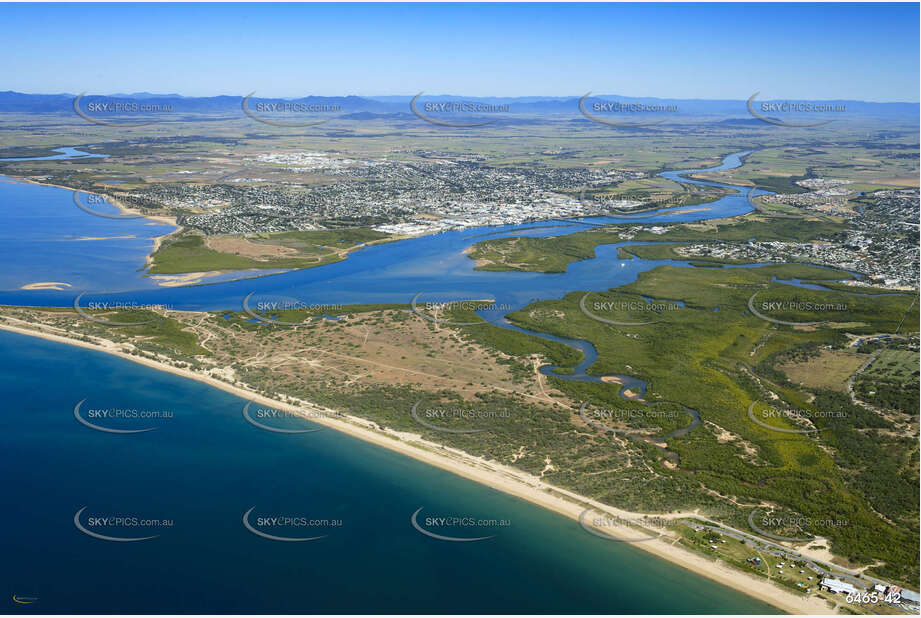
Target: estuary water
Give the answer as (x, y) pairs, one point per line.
(176, 517)
(433, 266)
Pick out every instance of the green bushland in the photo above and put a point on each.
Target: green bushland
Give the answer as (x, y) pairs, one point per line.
(777, 208)
(517, 431)
(780, 184)
(554, 253)
(702, 358)
(750, 226)
(845, 287)
(310, 315)
(159, 334)
(512, 342)
(551, 254)
(667, 252)
(880, 465)
(806, 306)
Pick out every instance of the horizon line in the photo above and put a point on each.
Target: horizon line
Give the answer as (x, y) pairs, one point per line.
(472, 96)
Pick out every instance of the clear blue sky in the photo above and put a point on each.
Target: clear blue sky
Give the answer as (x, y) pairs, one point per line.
(813, 51)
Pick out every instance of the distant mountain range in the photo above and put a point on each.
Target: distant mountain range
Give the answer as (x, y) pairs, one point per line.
(399, 104)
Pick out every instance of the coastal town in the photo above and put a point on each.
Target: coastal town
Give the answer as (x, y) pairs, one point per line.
(432, 193)
(436, 193)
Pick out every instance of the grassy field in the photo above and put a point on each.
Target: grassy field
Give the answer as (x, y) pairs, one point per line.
(828, 369)
(894, 365)
(891, 381)
(738, 554)
(189, 253)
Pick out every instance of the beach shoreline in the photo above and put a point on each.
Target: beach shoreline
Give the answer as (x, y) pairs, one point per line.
(489, 473)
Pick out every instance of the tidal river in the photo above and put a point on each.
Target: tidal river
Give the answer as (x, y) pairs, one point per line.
(44, 239)
(162, 521)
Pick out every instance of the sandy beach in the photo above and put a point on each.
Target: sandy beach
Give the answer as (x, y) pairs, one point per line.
(489, 473)
(171, 281)
(45, 285)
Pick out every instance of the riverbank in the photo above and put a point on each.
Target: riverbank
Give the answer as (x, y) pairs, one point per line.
(492, 474)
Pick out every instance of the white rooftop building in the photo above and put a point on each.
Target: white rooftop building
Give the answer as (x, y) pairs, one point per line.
(836, 585)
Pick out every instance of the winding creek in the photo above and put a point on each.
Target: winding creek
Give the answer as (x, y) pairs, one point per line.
(630, 387)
